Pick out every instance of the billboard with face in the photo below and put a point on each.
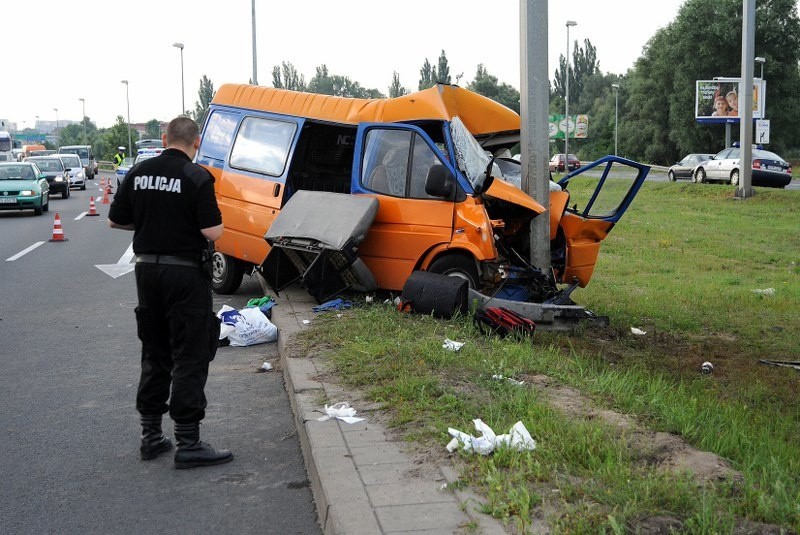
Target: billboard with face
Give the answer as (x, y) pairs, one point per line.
(718, 100)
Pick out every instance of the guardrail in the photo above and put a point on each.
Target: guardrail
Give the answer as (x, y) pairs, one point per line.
(106, 166)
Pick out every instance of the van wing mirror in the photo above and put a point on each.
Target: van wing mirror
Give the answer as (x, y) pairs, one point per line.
(440, 182)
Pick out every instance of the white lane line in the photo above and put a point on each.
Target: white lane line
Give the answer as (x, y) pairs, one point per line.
(80, 216)
(122, 266)
(24, 252)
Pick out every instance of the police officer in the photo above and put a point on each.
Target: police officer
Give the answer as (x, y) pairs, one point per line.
(169, 204)
(119, 156)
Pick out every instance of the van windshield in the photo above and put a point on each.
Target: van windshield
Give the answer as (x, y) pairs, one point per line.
(471, 159)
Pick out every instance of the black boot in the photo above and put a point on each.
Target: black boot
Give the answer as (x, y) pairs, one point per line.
(191, 452)
(153, 440)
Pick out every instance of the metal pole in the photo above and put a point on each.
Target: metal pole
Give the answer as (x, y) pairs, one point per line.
(616, 116)
(56, 110)
(183, 91)
(83, 107)
(534, 131)
(566, 100)
(745, 188)
(253, 18)
(128, 100)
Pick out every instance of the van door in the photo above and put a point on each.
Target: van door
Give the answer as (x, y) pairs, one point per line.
(599, 195)
(392, 163)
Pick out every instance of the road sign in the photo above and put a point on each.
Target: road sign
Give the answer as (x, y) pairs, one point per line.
(762, 131)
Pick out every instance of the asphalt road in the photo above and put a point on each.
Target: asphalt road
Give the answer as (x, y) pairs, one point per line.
(68, 376)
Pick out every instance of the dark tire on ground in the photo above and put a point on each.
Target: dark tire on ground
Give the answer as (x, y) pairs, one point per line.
(735, 177)
(37, 210)
(46, 204)
(700, 176)
(65, 194)
(671, 176)
(456, 265)
(227, 273)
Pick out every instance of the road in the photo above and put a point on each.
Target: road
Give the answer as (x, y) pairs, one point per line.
(68, 377)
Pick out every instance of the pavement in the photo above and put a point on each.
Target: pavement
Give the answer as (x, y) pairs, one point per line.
(364, 480)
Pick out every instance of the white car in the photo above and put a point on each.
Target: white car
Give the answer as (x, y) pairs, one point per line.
(77, 176)
(769, 169)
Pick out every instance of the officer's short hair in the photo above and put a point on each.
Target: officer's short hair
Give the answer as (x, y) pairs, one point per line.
(182, 130)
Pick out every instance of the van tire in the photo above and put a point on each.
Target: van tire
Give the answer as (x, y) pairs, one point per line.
(227, 273)
(457, 265)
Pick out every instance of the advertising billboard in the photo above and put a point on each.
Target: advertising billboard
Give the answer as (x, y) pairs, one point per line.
(717, 101)
(578, 126)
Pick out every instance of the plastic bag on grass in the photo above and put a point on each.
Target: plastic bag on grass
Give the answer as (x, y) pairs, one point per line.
(518, 438)
(246, 327)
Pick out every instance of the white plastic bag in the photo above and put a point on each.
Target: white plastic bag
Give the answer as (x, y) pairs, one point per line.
(517, 438)
(246, 327)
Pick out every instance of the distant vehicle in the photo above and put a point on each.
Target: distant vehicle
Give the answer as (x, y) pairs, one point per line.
(123, 168)
(685, 168)
(6, 146)
(55, 172)
(23, 186)
(42, 152)
(77, 176)
(146, 154)
(149, 144)
(557, 163)
(769, 169)
(86, 155)
(28, 150)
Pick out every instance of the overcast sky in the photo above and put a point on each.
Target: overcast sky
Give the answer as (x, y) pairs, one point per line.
(67, 50)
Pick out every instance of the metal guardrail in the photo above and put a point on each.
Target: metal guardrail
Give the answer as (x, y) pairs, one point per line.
(106, 166)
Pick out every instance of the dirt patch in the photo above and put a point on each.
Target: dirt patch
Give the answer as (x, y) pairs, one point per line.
(663, 450)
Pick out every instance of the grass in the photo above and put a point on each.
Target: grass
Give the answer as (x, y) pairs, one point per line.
(681, 265)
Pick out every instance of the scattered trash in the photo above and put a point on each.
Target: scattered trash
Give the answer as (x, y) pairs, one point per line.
(334, 304)
(452, 345)
(499, 377)
(782, 363)
(246, 327)
(769, 292)
(266, 366)
(264, 304)
(518, 438)
(306, 322)
(341, 411)
(369, 299)
(706, 367)
(638, 332)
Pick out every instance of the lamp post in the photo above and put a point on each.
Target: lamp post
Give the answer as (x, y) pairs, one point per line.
(83, 118)
(762, 60)
(128, 101)
(566, 101)
(253, 18)
(56, 110)
(616, 115)
(183, 103)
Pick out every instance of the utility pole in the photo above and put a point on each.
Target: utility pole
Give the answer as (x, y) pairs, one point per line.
(745, 188)
(253, 17)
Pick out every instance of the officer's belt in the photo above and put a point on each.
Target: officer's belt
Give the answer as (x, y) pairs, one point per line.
(167, 260)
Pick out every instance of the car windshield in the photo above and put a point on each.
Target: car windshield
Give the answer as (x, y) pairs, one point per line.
(82, 153)
(16, 172)
(49, 165)
(71, 161)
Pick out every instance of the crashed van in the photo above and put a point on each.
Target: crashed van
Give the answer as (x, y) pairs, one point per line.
(359, 193)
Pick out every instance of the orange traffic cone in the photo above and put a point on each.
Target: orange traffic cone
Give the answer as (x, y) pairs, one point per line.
(106, 191)
(102, 183)
(92, 207)
(58, 232)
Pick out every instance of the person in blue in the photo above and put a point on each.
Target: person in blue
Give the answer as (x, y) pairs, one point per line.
(169, 204)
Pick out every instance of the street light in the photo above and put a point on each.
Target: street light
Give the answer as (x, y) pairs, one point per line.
(616, 115)
(183, 103)
(253, 19)
(762, 61)
(566, 100)
(83, 118)
(56, 110)
(128, 100)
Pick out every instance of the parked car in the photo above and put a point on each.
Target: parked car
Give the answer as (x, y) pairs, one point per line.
(77, 176)
(557, 163)
(685, 168)
(146, 154)
(23, 186)
(769, 169)
(55, 172)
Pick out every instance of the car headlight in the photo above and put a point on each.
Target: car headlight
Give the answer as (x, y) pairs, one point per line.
(59, 179)
(27, 193)
(79, 174)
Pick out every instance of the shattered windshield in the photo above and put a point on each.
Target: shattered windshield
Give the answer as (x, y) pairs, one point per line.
(471, 159)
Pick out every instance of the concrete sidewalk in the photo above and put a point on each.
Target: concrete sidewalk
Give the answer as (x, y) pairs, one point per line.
(363, 482)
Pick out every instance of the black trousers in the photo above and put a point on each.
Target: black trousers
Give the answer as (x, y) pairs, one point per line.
(179, 334)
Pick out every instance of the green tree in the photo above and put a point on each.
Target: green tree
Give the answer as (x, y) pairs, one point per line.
(427, 75)
(584, 64)
(286, 76)
(341, 86)
(443, 70)
(487, 85)
(205, 95)
(71, 135)
(395, 89)
(152, 129)
(116, 136)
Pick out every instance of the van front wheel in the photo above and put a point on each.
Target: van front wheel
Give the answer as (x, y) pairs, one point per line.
(456, 265)
(226, 274)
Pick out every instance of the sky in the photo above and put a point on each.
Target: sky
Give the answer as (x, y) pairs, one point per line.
(64, 51)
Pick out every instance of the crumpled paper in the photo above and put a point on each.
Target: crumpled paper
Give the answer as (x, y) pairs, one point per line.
(452, 345)
(638, 332)
(518, 438)
(341, 411)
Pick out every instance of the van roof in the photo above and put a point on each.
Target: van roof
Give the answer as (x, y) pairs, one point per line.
(480, 114)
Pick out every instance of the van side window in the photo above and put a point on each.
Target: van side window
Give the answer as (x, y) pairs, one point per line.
(387, 168)
(218, 135)
(262, 145)
(422, 159)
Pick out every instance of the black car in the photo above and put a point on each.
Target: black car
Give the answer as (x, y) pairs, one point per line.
(685, 168)
(57, 175)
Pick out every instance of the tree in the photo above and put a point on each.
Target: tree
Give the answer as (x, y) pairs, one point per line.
(396, 90)
(341, 86)
(152, 130)
(205, 95)
(285, 76)
(487, 85)
(427, 75)
(116, 136)
(584, 64)
(443, 70)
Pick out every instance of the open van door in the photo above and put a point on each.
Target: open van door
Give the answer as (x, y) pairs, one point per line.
(599, 195)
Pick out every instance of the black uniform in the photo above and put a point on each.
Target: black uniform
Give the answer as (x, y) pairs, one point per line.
(169, 199)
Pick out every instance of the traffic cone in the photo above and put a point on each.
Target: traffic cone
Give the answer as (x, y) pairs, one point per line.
(106, 191)
(92, 207)
(58, 232)
(102, 183)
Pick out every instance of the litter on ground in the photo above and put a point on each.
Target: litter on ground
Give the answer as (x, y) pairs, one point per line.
(452, 345)
(341, 411)
(769, 292)
(518, 438)
(638, 332)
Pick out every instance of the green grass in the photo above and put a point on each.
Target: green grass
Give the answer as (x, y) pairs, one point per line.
(681, 265)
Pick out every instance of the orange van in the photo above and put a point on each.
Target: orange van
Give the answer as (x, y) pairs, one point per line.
(444, 203)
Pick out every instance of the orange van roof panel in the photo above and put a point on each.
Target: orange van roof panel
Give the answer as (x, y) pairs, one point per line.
(481, 115)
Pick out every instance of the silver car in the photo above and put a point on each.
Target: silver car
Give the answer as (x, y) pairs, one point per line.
(769, 169)
(77, 176)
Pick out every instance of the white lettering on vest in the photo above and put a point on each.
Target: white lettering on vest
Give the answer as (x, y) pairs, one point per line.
(160, 183)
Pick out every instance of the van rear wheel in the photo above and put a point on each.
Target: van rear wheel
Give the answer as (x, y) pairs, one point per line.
(226, 274)
(456, 265)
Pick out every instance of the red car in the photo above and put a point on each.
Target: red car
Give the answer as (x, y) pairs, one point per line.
(557, 163)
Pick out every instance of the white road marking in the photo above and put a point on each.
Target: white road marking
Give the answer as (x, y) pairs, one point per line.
(122, 266)
(24, 252)
(80, 216)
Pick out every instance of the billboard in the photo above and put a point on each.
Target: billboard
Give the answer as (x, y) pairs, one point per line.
(717, 101)
(578, 126)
